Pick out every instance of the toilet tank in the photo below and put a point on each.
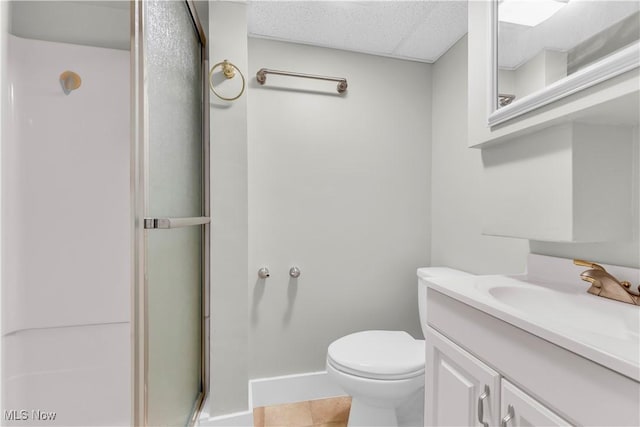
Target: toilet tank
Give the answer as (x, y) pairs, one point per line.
(423, 275)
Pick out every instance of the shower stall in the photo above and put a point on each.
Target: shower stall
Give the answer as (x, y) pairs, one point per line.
(105, 213)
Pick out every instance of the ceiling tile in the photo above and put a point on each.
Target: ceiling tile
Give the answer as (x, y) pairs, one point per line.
(444, 26)
(378, 27)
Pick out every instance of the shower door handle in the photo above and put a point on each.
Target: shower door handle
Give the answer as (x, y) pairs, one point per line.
(166, 223)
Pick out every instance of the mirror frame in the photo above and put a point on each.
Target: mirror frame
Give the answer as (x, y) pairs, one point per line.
(613, 65)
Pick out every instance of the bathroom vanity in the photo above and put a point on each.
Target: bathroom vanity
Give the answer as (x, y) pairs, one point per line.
(534, 350)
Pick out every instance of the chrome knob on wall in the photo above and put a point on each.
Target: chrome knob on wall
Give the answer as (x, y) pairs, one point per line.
(294, 272)
(263, 273)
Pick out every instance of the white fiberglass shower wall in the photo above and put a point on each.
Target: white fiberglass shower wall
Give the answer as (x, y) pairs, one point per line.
(104, 213)
(66, 236)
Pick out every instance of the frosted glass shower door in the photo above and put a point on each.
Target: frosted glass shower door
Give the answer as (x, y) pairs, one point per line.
(172, 212)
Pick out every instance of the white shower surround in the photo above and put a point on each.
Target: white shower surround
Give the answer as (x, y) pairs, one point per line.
(66, 235)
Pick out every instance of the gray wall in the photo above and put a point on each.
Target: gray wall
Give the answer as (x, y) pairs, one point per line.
(456, 228)
(229, 241)
(338, 185)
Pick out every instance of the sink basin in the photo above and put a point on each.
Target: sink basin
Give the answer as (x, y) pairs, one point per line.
(583, 313)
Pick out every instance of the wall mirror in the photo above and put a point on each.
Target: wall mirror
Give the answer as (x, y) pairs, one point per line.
(544, 50)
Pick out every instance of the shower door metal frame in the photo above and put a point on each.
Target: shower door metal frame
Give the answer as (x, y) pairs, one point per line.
(140, 203)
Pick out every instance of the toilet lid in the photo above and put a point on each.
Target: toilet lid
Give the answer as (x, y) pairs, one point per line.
(378, 355)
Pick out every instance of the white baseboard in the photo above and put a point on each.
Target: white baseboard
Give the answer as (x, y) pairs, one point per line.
(277, 391)
(292, 388)
(237, 419)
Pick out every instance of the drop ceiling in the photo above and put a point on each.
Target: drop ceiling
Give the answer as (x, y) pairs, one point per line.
(412, 30)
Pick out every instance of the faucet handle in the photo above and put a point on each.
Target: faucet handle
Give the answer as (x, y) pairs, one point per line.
(589, 264)
(603, 284)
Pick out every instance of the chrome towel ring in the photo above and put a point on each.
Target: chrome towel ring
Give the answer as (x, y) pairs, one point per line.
(229, 71)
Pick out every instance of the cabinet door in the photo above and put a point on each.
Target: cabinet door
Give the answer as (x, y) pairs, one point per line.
(460, 390)
(520, 409)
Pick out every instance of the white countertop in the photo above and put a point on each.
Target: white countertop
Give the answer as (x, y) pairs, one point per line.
(551, 302)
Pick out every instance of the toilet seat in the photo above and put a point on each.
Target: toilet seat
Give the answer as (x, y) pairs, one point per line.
(383, 355)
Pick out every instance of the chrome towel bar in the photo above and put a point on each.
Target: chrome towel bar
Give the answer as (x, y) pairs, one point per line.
(261, 77)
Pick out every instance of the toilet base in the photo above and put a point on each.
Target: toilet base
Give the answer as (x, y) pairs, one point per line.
(409, 414)
(363, 415)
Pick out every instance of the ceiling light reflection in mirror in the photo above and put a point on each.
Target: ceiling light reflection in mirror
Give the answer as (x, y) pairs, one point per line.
(527, 12)
(543, 41)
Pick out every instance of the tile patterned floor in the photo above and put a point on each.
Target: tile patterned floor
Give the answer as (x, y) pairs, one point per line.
(332, 412)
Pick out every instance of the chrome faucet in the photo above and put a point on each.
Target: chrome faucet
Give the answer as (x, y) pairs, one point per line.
(603, 284)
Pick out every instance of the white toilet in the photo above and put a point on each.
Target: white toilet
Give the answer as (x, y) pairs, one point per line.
(383, 371)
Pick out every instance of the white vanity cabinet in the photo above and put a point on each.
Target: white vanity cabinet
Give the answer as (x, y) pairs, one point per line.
(461, 390)
(481, 369)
